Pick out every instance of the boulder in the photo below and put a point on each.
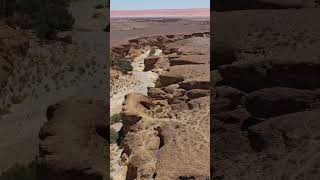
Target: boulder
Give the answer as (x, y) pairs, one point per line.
(279, 100)
(196, 93)
(236, 96)
(169, 78)
(149, 62)
(190, 59)
(156, 93)
(250, 76)
(188, 85)
(290, 130)
(233, 116)
(171, 88)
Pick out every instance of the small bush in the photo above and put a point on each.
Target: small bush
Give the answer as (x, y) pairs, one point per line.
(152, 52)
(123, 65)
(4, 111)
(157, 84)
(99, 6)
(113, 136)
(21, 172)
(46, 17)
(115, 118)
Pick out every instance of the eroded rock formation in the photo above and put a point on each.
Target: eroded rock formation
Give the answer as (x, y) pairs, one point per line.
(265, 94)
(173, 119)
(74, 141)
(167, 44)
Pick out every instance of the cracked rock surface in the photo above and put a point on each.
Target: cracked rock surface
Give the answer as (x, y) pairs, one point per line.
(265, 94)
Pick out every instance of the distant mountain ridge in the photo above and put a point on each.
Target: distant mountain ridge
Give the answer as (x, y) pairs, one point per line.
(192, 12)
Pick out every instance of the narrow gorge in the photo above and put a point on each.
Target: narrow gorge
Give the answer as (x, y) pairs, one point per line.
(165, 112)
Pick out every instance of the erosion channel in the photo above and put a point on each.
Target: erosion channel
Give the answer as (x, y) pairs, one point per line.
(160, 108)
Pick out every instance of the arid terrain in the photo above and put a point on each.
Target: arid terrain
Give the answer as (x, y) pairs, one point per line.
(56, 80)
(125, 29)
(265, 93)
(163, 100)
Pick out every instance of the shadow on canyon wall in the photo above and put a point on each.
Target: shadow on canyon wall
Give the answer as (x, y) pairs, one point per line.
(265, 90)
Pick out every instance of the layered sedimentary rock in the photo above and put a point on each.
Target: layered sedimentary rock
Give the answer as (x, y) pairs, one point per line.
(173, 119)
(167, 43)
(266, 96)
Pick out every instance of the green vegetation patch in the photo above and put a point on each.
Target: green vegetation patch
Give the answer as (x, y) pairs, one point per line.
(123, 65)
(116, 118)
(113, 136)
(152, 51)
(157, 84)
(45, 17)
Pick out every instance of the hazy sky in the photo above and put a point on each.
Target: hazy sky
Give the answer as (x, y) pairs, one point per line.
(158, 4)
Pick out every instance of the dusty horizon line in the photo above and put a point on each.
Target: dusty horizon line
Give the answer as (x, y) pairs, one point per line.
(189, 12)
(160, 9)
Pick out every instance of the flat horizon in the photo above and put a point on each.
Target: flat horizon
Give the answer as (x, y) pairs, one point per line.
(187, 12)
(160, 9)
(157, 4)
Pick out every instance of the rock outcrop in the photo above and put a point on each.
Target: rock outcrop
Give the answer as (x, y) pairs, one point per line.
(279, 100)
(173, 119)
(150, 62)
(189, 59)
(194, 47)
(74, 141)
(289, 141)
(250, 76)
(265, 96)
(170, 78)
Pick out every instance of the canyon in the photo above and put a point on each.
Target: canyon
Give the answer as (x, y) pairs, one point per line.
(170, 118)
